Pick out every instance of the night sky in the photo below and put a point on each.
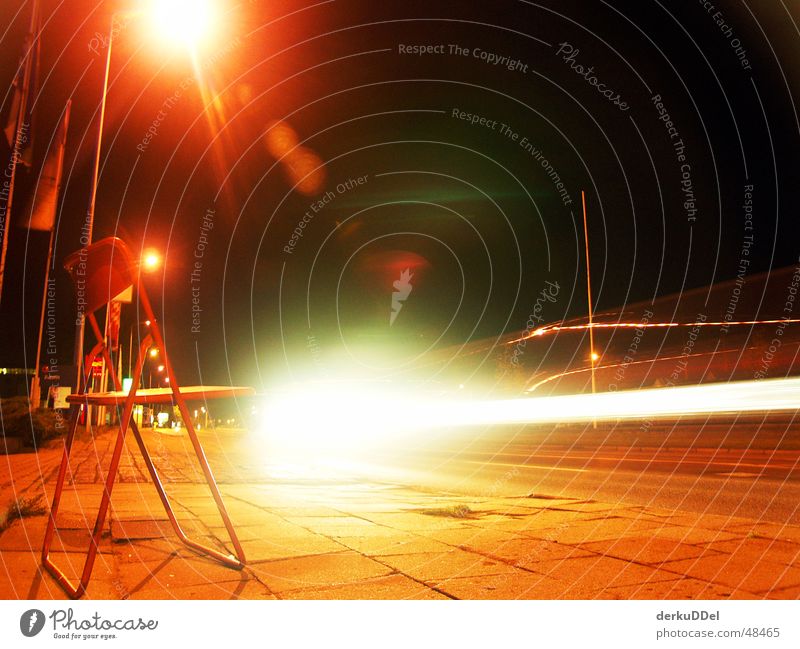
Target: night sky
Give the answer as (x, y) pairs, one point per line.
(455, 139)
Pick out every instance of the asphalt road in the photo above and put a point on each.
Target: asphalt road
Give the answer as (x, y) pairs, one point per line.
(757, 483)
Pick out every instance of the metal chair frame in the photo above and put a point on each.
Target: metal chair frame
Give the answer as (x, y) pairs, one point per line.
(121, 263)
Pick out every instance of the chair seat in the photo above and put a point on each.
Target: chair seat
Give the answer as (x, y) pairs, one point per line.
(163, 395)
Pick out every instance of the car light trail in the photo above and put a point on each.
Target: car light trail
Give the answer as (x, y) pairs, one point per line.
(357, 419)
(549, 329)
(718, 398)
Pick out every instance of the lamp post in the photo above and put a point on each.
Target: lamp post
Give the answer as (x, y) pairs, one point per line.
(135, 325)
(183, 21)
(593, 356)
(89, 225)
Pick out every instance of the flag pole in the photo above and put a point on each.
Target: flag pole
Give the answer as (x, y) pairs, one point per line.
(36, 383)
(36, 388)
(33, 35)
(89, 224)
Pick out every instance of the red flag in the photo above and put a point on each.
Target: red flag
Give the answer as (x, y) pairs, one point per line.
(16, 103)
(42, 215)
(18, 129)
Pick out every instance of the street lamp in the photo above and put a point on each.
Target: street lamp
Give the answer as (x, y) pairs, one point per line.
(592, 354)
(150, 260)
(183, 20)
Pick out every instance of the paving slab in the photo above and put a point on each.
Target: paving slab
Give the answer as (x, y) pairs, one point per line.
(441, 565)
(694, 535)
(681, 588)
(340, 526)
(318, 571)
(527, 552)
(393, 542)
(390, 587)
(755, 548)
(789, 533)
(739, 572)
(415, 520)
(793, 592)
(477, 538)
(285, 547)
(590, 574)
(514, 585)
(583, 531)
(650, 550)
(140, 528)
(178, 572)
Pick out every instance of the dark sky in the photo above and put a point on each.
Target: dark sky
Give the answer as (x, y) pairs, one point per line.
(473, 210)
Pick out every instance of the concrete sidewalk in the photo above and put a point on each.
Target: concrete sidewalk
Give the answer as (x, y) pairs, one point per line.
(347, 539)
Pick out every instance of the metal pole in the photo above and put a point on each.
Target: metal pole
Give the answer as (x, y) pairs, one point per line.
(89, 226)
(588, 291)
(23, 111)
(36, 383)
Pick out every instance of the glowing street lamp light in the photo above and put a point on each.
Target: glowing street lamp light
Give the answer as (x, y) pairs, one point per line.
(154, 352)
(151, 260)
(182, 21)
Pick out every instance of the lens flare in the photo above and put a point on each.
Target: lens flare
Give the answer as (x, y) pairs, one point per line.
(306, 171)
(280, 139)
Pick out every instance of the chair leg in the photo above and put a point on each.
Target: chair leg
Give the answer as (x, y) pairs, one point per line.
(212, 483)
(72, 590)
(198, 448)
(228, 560)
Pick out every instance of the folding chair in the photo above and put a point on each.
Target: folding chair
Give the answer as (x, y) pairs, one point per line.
(101, 272)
